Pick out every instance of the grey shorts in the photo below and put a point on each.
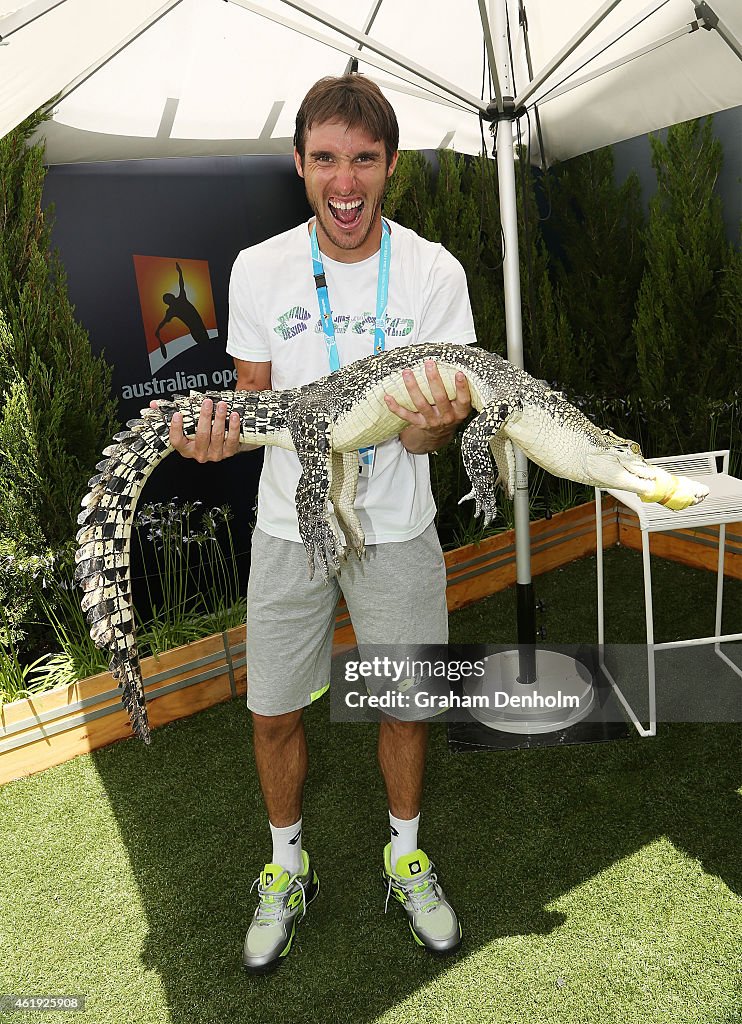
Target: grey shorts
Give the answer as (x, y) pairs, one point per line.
(396, 595)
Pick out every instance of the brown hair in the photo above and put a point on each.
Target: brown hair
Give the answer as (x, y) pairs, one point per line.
(353, 100)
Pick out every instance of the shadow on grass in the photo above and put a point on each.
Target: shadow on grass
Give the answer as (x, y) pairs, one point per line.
(510, 833)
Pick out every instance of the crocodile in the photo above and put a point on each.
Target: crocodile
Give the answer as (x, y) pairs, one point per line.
(326, 423)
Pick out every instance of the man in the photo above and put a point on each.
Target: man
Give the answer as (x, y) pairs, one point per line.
(283, 333)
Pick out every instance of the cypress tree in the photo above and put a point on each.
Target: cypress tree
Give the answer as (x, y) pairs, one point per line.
(456, 204)
(409, 190)
(729, 312)
(561, 359)
(56, 408)
(683, 335)
(550, 348)
(465, 217)
(599, 225)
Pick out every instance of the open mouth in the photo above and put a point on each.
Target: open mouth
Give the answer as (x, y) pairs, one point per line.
(346, 212)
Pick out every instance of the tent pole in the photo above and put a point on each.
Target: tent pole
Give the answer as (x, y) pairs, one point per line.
(10, 23)
(102, 61)
(514, 332)
(304, 7)
(511, 671)
(411, 73)
(711, 20)
(566, 50)
(491, 60)
(367, 25)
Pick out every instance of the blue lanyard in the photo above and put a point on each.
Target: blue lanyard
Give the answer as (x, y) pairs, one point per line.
(382, 296)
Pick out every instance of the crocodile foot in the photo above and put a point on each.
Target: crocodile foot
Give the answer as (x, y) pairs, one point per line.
(483, 495)
(321, 547)
(355, 538)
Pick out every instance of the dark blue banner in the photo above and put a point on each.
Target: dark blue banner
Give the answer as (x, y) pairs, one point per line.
(148, 246)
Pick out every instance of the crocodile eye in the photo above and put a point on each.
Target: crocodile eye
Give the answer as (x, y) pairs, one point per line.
(636, 449)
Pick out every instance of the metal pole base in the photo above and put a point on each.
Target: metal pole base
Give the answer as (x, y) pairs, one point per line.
(562, 695)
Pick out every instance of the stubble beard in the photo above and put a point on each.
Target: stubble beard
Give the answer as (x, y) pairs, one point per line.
(326, 223)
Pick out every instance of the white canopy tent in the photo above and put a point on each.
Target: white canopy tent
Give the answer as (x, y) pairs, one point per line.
(143, 78)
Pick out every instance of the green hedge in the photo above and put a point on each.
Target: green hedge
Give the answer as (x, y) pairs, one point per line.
(637, 321)
(56, 407)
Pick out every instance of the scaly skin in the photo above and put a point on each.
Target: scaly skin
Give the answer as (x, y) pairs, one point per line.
(325, 423)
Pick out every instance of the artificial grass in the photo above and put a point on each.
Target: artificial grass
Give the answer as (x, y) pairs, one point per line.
(595, 883)
(684, 603)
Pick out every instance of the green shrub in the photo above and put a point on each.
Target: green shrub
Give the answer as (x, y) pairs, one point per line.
(56, 408)
(195, 588)
(457, 206)
(600, 262)
(687, 311)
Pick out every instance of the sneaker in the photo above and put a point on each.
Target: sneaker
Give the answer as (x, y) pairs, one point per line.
(431, 917)
(282, 903)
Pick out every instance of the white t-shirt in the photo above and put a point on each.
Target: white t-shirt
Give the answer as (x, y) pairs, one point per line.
(274, 316)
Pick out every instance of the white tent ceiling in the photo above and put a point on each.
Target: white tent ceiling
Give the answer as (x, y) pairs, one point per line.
(207, 77)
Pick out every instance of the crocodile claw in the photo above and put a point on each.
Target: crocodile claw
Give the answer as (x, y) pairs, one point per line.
(483, 495)
(321, 547)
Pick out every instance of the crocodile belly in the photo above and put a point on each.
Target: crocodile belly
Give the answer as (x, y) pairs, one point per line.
(368, 421)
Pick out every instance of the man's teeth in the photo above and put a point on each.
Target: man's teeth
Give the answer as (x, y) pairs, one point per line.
(345, 206)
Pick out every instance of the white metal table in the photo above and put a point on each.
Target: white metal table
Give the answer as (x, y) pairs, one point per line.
(722, 505)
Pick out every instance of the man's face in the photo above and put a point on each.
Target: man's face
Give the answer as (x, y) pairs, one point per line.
(344, 173)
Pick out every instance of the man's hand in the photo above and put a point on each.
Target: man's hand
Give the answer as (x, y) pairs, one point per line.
(210, 443)
(431, 426)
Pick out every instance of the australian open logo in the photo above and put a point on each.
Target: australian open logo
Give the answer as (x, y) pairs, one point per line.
(177, 306)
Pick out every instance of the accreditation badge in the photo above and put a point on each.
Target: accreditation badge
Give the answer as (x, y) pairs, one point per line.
(366, 460)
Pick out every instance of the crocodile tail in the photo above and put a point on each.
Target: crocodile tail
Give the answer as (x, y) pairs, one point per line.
(125, 667)
(103, 554)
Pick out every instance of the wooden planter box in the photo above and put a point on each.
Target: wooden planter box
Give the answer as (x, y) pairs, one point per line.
(55, 726)
(52, 727)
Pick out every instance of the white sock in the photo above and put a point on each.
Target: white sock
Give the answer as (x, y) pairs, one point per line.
(287, 847)
(404, 836)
